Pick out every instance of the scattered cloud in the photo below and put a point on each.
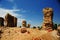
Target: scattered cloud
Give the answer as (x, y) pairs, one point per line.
(20, 21)
(13, 12)
(23, 11)
(4, 11)
(29, 21)
(14, 6)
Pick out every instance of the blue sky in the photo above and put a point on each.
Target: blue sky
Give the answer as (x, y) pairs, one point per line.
(29, 10)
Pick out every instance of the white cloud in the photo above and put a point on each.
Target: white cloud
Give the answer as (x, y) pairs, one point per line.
(4, 11)
(29, 21)
(20, 21)
(13, 12)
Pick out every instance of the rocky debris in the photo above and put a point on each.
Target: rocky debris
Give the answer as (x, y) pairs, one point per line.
(24, 23)
(58, 29)
(47, 37)
(58, 32)
(27, 34)
(36, 38)
(23, 30)
(0, 33)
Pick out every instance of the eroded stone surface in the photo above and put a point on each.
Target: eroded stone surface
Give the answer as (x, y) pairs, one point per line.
(48, 18)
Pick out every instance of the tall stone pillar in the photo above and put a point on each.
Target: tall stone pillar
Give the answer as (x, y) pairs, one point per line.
(48, 18)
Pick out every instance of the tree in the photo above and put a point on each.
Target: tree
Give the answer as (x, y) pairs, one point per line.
(20, 26)
(39, 27)
(54, 27)
(34, 27)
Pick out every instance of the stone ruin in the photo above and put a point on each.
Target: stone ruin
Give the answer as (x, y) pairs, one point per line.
(24, 23)
(48, 18)
(10, 21)
(58, 32)
(1, 21)
(28, 25)
(58, 29)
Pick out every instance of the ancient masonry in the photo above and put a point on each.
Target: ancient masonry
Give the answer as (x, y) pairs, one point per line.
(48, 18)
(1, 21)
(10, 21)
(24, 23)
(28, 25)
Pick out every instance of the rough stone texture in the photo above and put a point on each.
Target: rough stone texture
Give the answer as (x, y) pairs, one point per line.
(0, 33)
(28, 26)
(10, 21)
(58, 32)
(23, 30)
(15, 21)
(24, 23)
(1, 21)
(48, 18)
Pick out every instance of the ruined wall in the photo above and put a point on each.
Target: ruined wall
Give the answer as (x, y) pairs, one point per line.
(1, 21)
(15, 21)
(48, 18)
(10, 20)
(28, 25)
(24, 23)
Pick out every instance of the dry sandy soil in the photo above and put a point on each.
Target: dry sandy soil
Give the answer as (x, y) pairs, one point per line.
(31, 34)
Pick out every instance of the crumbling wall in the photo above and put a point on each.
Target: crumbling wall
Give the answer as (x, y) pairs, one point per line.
(28, 25)
(24, 23)
(10, 20)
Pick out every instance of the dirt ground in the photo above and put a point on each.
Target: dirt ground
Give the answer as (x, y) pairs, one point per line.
(31, 34)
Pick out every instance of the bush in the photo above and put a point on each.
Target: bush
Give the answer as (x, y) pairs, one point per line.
(34, 27)
(39, 28)
(54, 27)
